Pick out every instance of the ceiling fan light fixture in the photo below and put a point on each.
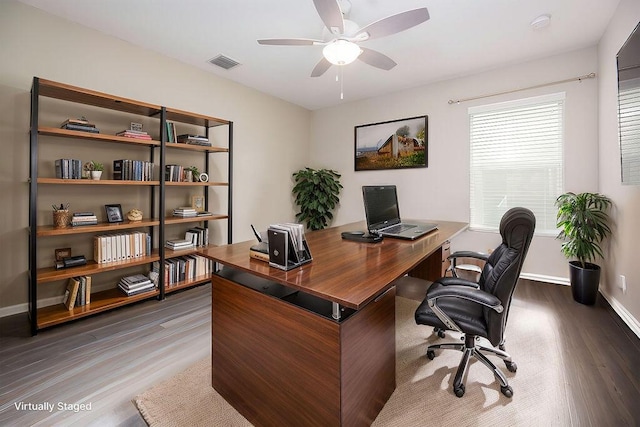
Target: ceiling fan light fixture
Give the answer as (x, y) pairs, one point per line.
(341, 52)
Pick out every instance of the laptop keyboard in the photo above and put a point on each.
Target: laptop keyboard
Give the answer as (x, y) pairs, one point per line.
(398, 228)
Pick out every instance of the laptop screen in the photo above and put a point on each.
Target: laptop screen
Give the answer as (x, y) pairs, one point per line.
(380, 205)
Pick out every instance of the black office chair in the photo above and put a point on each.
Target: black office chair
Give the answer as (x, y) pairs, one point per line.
(481, 309)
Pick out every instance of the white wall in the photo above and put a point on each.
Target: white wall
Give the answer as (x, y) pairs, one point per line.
(441, 191)
(622, 255)
(270, 135)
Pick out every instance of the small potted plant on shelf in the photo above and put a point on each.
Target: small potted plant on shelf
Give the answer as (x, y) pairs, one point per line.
(191, 174)
(94, 168)
(316, 194)
(583, 222)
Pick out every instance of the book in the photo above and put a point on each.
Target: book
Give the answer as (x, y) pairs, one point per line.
(134, 134)
(88, 290)
(80, 122)
(82, 128)
(71, 293)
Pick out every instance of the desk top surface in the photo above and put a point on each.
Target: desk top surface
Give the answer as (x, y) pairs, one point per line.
(347, 272)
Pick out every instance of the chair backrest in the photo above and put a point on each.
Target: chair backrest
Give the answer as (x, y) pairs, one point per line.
(501, 271)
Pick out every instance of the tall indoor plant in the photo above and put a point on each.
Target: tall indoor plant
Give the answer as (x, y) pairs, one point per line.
(316, 194)
(583, 221)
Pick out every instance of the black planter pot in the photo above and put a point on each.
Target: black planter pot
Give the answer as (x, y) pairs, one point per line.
(584, 282)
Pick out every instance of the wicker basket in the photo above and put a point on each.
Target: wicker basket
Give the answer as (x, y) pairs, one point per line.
(61, 218)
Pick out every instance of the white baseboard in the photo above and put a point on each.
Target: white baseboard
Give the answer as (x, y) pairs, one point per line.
(548, 279)
(626, 317)
(23, 308)
(619, 309)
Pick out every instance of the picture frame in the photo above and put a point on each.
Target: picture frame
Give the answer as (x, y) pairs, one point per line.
(197, 203)
(62, 253)
(114, 213)
(394, 144)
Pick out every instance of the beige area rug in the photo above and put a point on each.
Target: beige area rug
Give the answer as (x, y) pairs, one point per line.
(424, 393)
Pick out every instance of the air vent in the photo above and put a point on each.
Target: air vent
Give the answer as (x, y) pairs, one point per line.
(224, 62)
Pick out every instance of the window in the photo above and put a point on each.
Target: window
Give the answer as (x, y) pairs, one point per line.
(516, 160)
(629, 119)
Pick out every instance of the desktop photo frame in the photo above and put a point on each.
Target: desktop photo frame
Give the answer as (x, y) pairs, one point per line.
(394, 144)
(114, 213)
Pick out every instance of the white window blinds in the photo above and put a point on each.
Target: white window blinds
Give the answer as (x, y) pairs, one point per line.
(516, 160)
(629, 119)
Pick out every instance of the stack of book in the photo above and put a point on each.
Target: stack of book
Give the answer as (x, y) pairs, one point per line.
(121, 247)
(68, 168)
(83, 218)
(132, 170)
(198, 235)
(138, 134)
(78, 292)
(178, 244)
(187, 267)
(81, 124)
(185, 212)
(136, 284)
(194, 140)
(174, 173)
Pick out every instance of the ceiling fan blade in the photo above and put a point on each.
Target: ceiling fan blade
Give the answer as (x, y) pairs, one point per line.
(331, 15)
(320, 68)
(376, 59)
(395, 23)
(290, 42)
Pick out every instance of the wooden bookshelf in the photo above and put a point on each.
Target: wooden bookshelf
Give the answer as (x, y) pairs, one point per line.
(193, 147)
(60, 181)
(50, 230)
(177, 220)
(187, 283)
(156, 149)
(100, 302)
(50, 274)
(49, 131)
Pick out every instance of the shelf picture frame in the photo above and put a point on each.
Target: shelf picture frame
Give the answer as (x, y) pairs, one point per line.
(62, 253)
(197, 203)
(114, 213)
(394, 144)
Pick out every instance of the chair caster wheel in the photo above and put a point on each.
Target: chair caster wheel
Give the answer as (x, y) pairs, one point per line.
(459, 391)
(507, 391)
(431, 354)
(511, 366)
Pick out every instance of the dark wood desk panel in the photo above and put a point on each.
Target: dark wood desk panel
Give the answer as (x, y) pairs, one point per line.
(276, 364)
(346, 272)
(279, 362)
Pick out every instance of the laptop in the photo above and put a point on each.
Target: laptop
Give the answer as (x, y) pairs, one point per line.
(383, 214)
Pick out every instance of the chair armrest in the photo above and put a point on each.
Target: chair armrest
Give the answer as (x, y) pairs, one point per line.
(464, 292)
(469, 254)
(456, 281)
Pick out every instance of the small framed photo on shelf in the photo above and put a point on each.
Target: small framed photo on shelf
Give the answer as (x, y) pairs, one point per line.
(62, 253)
(114, 213)
(197, 203)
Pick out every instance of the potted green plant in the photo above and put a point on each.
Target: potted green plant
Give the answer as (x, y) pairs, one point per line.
(583, 221)
(316, 194)
(94, 168)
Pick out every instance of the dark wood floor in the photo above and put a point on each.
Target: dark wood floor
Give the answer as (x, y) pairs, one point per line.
(108, 359)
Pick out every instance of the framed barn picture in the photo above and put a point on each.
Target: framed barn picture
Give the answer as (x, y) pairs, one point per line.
(396, 144)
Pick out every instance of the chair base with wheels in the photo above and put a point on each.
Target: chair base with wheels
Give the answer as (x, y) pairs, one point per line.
(471, 349)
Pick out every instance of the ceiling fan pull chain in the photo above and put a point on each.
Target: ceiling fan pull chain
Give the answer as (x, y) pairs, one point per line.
(341, 82)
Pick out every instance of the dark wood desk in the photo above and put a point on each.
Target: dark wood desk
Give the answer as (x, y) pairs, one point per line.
(279, 354)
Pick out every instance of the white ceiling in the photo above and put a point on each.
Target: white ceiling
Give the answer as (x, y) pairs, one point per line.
(461, 38)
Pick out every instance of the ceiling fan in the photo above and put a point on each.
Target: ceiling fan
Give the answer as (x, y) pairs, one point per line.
(342, 36)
